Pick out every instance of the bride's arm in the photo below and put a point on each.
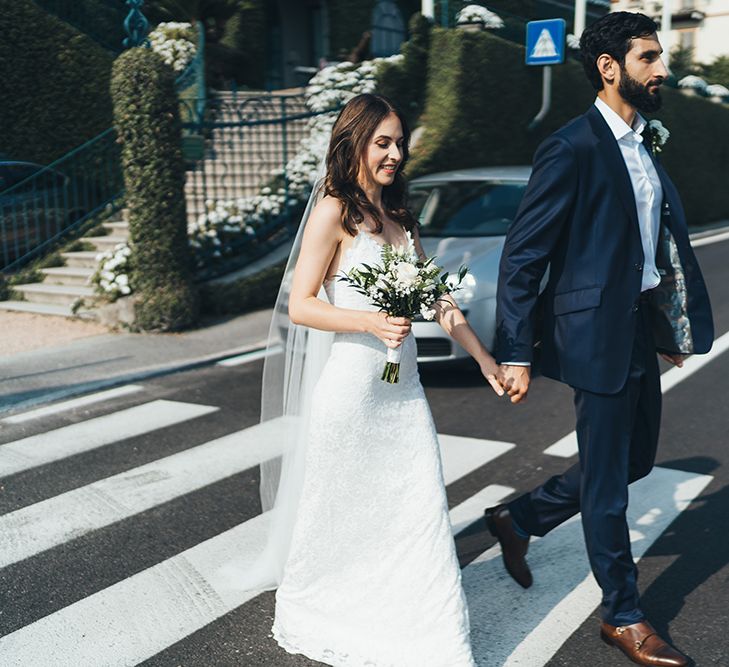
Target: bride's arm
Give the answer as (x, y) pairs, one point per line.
(322, 236)
(454, 323)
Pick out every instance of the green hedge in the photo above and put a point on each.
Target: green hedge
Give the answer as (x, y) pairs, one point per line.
(242, 295)
(146, 114)
(241, 53)
(481, 98)
(55, 82)
(405, 82)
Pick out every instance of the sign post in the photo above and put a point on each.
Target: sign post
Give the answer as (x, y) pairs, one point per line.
(545, 46)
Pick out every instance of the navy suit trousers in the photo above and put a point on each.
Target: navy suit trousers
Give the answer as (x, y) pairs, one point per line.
(617, 435)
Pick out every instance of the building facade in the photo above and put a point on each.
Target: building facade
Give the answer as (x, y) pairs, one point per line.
(702, 25)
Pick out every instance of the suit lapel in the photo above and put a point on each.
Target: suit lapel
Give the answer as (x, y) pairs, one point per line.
(609, 151)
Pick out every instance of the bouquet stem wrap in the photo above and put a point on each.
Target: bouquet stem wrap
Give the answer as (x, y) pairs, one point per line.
(391, 373)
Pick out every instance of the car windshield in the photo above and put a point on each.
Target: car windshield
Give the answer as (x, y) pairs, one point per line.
(465, 208)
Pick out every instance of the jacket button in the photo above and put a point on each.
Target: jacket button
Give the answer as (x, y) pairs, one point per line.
(635, 308)
(638, 267)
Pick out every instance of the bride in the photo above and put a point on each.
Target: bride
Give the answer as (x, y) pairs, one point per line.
(369, 574)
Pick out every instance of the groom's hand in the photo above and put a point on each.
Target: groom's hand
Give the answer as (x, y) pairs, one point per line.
(515, 380)
(675, 359)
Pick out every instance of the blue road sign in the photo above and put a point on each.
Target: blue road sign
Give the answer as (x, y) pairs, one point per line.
(545, 42)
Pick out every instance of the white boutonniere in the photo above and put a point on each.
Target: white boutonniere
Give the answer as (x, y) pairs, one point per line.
(658, 135)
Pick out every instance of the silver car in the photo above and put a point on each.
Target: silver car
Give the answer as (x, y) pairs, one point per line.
(464, 216)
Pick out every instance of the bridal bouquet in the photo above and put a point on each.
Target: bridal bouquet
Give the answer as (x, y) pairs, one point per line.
(403, 286)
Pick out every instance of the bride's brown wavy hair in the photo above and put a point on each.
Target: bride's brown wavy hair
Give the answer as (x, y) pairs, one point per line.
(351, 135)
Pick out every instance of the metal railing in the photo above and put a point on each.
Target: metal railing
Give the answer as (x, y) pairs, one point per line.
(246, 144)
(56, 199)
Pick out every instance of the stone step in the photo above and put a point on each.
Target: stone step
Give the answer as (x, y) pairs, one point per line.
(63, 295)
(68, 275)
(118, 228)
(40, 308)
(82, 258)
(103, 243)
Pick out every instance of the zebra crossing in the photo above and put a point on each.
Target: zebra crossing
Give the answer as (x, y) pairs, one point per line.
(144, 613)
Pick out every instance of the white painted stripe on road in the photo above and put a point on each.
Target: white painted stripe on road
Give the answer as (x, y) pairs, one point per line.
(471, 510)
(147, 612)
(511, 626)
(60, 443)
(462, 456)
(48, 523)
(73, 403)
(567, 446)
(673, 376)
(708, 240)
(564, 447)
(137, 617)
(51, 522)
(249, 356)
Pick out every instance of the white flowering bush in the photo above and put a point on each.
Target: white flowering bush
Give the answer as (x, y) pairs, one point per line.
(226, 224)
(479, 14)
(112, 277)
(692, 81)
(175, 42)
(717, 90)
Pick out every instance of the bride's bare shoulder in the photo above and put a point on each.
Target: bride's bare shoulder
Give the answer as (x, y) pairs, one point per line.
(327, 216)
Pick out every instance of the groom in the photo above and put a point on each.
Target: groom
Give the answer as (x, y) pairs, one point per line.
(623, 284)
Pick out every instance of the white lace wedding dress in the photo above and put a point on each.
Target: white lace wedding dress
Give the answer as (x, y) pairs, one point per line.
(372, 578)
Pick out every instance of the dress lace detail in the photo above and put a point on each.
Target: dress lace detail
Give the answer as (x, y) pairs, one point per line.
(372, 578)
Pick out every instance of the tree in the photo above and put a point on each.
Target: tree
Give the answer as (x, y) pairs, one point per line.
(682, 62)
(717, 71)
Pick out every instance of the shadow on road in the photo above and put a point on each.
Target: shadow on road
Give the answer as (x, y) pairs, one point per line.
(698, 539)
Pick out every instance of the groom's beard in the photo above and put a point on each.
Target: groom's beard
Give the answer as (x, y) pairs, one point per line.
(638, 95)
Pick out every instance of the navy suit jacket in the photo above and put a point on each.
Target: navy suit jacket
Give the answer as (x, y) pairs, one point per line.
(579, 218)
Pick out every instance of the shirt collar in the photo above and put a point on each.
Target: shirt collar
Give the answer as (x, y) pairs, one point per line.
(617, 125)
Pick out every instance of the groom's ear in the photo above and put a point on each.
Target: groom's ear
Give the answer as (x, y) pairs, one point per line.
(608, 68)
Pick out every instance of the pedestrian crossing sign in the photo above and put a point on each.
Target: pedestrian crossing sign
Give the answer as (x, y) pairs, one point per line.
(545, 42)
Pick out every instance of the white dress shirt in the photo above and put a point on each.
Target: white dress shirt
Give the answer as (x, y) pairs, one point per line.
(646, 188)
(646, 185)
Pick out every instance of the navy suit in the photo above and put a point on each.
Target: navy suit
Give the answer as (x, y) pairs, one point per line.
(597, 333)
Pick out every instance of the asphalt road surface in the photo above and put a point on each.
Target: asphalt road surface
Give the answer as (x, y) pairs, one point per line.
(116, 512)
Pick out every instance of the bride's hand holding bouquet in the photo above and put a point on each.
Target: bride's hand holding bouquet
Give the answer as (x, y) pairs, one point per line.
(403, 287)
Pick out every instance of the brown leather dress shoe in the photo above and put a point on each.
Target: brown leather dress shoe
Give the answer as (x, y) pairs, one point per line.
(641, 643)
(513, 547)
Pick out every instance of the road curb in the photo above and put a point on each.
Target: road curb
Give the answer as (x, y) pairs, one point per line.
(128, 378)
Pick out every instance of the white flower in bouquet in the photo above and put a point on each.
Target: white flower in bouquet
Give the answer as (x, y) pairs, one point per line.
(427, 313)
(407, 274)
(403, 286)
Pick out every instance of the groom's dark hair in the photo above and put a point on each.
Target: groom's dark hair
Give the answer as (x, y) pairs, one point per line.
(612, 34)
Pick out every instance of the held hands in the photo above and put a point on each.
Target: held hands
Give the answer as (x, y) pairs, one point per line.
(514, 380)
(490, 370)
(392, 331)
